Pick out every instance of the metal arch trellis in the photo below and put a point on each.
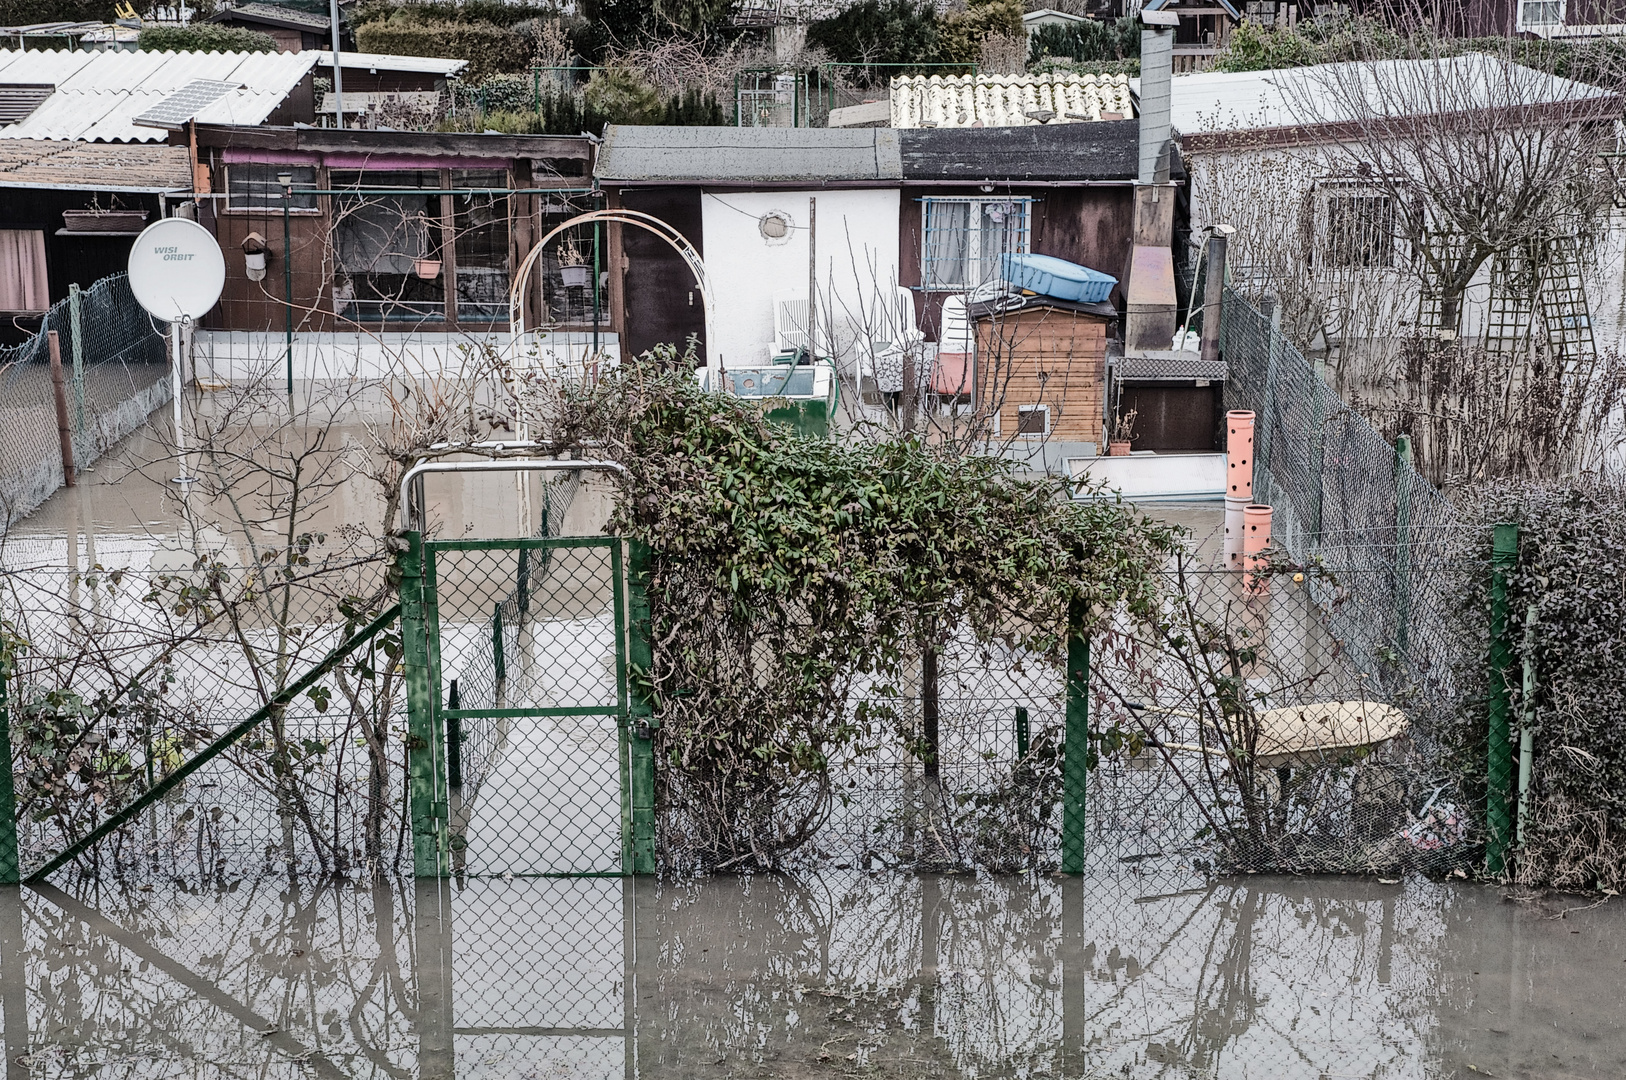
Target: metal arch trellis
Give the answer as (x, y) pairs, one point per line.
(649, 222)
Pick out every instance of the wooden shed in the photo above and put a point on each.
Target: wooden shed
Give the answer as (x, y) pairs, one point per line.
(1041, 368)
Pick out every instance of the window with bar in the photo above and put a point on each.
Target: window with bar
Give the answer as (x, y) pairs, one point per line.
(963, 240)
(1360, 229)
(480, 242)
(387, 246)
(255, 187)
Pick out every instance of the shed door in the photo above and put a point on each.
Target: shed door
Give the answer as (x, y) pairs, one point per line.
(663, 306)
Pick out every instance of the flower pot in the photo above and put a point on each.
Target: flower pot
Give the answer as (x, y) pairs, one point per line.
(428, 269)
(574, 277)
(1118, 448)
(113, 221)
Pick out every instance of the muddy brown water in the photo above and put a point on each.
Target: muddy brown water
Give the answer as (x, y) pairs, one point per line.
(834, 974)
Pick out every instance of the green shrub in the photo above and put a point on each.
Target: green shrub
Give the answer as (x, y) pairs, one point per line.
(204, 37)
(1092, 41)
(878, 32)
(29, 12)
(960, 34)
(621, 96)
(490, 49)
(1062, 66)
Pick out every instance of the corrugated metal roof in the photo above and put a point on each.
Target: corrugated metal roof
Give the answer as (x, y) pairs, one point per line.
(428, 65)
(1213, 102)
(634, 153)
(99, 95)
(94, 166)
(1007, 100)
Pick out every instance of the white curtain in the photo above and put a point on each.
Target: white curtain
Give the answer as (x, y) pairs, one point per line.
(23, 285)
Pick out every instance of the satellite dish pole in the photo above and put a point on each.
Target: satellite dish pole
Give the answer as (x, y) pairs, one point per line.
(177, 273)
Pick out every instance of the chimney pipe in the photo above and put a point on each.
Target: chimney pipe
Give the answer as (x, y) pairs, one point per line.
(1214, 290)
(1156, 75)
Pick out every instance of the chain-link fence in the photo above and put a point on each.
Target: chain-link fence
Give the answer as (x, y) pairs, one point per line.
(120, 678)
(115, 362)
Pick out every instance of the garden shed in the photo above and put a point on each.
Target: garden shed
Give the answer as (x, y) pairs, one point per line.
(1040, 373)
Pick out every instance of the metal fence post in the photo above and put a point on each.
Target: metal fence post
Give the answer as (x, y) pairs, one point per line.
(1527, 720)
(1075, 752)
(10, 864)
(640, 709)
(81, 451)
(1403, 484)
(1499, 745)
(424, 747)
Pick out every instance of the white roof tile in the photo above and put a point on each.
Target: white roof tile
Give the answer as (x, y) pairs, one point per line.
(99, 94)
(963, 101)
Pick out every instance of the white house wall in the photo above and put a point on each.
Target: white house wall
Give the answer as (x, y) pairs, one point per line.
(857, 253)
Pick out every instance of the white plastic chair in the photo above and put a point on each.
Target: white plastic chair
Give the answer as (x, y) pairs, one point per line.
(790, 323)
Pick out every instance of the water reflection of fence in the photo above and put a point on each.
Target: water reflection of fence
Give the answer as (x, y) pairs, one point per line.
(116, 361)
(1160, 973)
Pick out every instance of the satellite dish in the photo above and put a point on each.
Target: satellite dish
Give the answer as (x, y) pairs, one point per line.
(176, 270)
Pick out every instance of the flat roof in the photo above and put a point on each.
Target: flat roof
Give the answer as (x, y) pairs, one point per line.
(1105, 151)
(638, 153)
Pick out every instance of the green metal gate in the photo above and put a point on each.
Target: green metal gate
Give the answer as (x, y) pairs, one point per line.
(529, 747)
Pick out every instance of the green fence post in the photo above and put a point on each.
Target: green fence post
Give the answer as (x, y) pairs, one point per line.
(10, 864)
(640, 709)
(1499, 745)
(1075, 753)
(1021, 732)
(424, 747)
(1403, 484)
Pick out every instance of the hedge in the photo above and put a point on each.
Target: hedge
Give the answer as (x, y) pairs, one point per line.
(204, 37)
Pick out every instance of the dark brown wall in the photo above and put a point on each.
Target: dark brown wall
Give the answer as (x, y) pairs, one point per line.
(366, 82)
(1090, 226)
(244, 304)
(1173, 417)
(78, 260)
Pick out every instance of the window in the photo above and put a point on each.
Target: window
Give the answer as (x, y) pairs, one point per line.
(1360, 229)
(1033, 419)
(1534, 14)
(964, 239)
(23, 285)
(388, 247)
(570, 264)
(255, 187)
(480, 244)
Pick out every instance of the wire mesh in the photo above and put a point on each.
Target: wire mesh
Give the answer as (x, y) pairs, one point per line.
(532, 636)
(115, 359)
(124, 675)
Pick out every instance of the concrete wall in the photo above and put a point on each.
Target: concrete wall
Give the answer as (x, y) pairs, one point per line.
(239, 355)
(857, 252)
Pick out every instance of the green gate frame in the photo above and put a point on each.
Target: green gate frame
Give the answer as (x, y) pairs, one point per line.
(428, 782)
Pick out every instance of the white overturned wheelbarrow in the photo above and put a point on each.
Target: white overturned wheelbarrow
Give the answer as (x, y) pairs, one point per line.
(1311, 734)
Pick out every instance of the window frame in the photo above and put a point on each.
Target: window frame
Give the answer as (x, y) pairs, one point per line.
(316, 182)
(1028, 410)
(1520, 23)
(1334, 253)
(973, 255)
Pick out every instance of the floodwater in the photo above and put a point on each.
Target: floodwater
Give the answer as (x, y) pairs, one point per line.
(840, 974)
(1141, 969)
